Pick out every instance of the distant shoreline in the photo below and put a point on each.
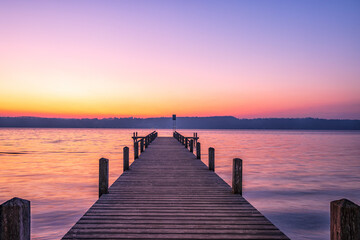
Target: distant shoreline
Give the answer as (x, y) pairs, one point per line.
(219, 123)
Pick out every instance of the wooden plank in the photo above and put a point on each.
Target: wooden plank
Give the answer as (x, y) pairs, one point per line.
(169, 194)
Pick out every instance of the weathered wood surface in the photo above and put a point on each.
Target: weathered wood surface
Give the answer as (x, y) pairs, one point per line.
(344, 220)
(15, 219)
(103, 176)
(169, 194)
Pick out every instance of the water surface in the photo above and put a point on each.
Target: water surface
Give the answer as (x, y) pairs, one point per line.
(290, 176)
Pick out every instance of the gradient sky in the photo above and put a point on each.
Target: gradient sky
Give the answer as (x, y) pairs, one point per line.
(194, 58)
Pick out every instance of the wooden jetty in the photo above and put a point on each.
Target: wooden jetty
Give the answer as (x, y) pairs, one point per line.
(168, 193)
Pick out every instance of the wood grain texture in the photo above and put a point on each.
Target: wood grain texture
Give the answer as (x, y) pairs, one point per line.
(169, 194)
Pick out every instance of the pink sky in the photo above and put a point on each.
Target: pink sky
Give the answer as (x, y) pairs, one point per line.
(141, 58)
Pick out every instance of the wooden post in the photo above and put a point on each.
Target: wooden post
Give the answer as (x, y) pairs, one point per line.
(344, 220)
(186, 142)
(146, 141)
(237, 176)
(103, 176)
(136, 150)
(15, 219)
(198, 151)
(211, 159)
(125, 159)
(191, 145)
(141, 145)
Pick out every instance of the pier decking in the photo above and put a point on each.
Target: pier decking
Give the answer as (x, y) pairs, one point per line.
(169, 194)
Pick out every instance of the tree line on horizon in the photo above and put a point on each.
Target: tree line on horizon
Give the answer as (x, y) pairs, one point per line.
(222, 122)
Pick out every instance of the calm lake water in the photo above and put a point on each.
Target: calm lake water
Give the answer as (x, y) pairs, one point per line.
(290, 176)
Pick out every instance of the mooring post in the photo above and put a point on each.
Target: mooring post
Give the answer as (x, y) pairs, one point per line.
(146, 141)
(103, 176)
(125, 159)
(186, 142)
(141, 145)
(344, 220)
(136, 150)
(191, 145)
(211, 159)
(198, 151)
(15, 219)
(237, 176)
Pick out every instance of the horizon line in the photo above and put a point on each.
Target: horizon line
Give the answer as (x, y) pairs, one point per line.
(69, 118)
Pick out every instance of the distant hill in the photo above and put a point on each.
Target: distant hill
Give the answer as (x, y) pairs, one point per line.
(225, 122)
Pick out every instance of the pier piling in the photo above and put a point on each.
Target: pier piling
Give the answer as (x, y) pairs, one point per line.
(237, 176)
(125, 159)
(344, 220)
(198, 150)
(103, 176)
(211, 159)
(141, 145)
(136, 150)
(15, 219)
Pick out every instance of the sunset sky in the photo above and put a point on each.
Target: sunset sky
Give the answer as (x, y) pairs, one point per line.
(194, 58)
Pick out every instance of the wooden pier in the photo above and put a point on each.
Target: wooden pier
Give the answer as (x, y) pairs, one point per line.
(168, 193)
